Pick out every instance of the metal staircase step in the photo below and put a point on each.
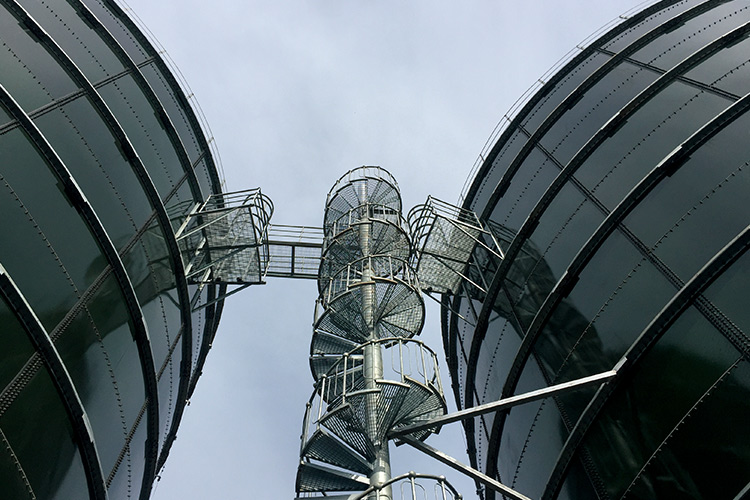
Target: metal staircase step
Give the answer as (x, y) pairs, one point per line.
(324, 342)
(348, 426)
(326, 448)
(321, 365)
(422, 403)
(317, 478)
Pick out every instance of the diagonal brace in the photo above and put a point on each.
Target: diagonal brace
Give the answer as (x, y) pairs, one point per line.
(507, 403)
(464, 469)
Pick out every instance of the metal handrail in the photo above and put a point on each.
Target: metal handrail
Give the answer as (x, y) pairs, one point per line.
(443, 489)
(362, 173)
(383, 267)
(333, 388)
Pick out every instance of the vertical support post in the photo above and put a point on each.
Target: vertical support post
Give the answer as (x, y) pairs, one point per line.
(373, 356)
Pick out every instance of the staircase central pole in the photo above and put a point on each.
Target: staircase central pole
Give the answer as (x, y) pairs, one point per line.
(373, 356)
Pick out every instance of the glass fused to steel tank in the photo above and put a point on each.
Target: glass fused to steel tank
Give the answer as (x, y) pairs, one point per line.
(619, 194)
(102, 160)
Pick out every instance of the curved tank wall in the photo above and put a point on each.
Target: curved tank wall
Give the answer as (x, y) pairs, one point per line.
(619, 193)
(101, 159)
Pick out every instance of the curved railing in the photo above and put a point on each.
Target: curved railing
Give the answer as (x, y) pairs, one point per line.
(405, 361)
(361, 173)
(380, 267)
(412, 487)
(366, 211)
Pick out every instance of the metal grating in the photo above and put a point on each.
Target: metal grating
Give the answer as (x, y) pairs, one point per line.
(294, 251)
(445, 237)
(326, 448)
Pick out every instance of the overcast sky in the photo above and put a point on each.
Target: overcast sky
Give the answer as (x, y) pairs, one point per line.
(297, 93)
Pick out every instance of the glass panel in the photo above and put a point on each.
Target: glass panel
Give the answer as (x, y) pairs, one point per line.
(145, 132)
(17, 348)
(700, 467)
(52, 234)
(675, 374)
(123, 36)
(677, 220)
(668, 51)
(728, 70)
(85, 359)
(654, 21)
(577, 484)
(563, 229)
(29, 73)
(500, 164)
(179, 204)
(568, 84)
(532, 179)
(76, 38)
(39, 190)
(74, 150)
(649, 135)
(174, 109)
(169, 377)
(540, 451)
(32, 438)
(579, 123)
(519, 422)
(204, 179)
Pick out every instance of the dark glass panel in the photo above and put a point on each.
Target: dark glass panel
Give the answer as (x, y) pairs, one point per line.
(563, 229)
(568, 84)
(728, 70)
(88, 361)
(668, 51)
(533, 178)
(109, 314)
(137, 117)
(499, 166)
(124, 37)
(540, 451)
(17, 348)
(498, 349)
(519, 422)
(654, 21)
(579, 123)
(45, 447)
(166, 96)
(653, 132)
(179, 204)
(74, 150)
(29, 73)
(76, 38)
(577, 485)
(4, 118)
(51, 233)
(198, 323)
(204, 179)
(729, 293)
(675, 374)
(677, 221)
(12, 482)
(39, 190)
(168, 383)
(702, 466)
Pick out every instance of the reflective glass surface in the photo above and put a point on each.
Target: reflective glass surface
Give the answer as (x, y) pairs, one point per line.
(694, 34)
(75, 37)
(31, 439)
(123, 36)
(30, 74)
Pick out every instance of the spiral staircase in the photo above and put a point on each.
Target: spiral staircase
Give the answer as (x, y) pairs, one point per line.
(371, 376)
